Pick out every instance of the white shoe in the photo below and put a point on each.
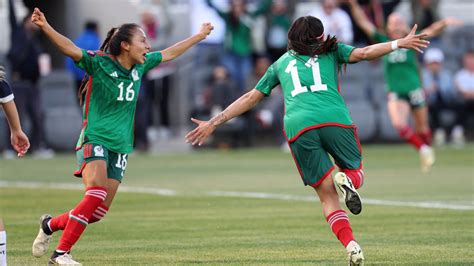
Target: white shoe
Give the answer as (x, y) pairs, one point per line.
(439, 138)
(427, 158)
(355, 254)
(42, 240)
(349, 193)
(65, 259)
(457, 137)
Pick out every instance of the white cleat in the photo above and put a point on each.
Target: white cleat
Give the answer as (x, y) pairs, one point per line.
(355, 254)
(42, 240)
(349, 193)
(65, 259)
(427, 158)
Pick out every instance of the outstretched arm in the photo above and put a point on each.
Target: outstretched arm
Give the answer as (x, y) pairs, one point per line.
(66, 46)
(179, 48)
(360, 18)
(411, 41)
(239, 106)
(18, 139)
(437, 27)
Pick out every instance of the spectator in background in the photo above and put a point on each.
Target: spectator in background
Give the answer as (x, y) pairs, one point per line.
(441, 96)
(270, 113)
(221, 92)
(24, 56)
(278, 22)
(464, 82)
(209, 53)
(375, 11)
(424, 12)
(238, 39)
(88, 40)
(337, 22)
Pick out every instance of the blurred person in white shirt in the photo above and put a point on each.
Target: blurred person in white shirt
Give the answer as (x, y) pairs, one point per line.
(464, 82)
(335, 20)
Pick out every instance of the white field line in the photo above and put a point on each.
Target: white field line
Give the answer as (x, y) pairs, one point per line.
(250, 195)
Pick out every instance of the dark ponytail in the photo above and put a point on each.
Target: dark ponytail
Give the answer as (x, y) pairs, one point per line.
(306, 37)
(112, 45)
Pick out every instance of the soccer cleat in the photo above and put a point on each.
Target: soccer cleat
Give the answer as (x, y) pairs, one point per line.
(355, 254)
(427, 158)
(349, 193)
(62, 259)
(42, 240)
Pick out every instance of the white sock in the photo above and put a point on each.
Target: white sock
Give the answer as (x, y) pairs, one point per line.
(3, 248)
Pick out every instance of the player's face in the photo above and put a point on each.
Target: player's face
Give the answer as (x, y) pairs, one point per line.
(397, 27)
(139, 47)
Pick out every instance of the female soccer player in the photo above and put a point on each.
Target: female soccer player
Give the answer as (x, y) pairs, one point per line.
(317, 121)
(107, 133)
(402, 75)
(18, 140)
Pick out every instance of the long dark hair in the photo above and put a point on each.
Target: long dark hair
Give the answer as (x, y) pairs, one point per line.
(111, 45)
(306, 37)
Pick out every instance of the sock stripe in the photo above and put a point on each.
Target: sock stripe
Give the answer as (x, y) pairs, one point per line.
(97, 216)
(101, 194)
(99, 212)
(79, 220)
(334, 213)
(338, 217)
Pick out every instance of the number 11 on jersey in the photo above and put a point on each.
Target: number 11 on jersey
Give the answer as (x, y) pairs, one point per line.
(295, 78)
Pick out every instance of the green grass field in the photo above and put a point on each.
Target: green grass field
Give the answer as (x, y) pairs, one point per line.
(204, 208)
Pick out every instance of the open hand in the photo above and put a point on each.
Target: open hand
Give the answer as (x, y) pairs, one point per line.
(201, 133)
(20, 142)
(38, 18)
(414, 41)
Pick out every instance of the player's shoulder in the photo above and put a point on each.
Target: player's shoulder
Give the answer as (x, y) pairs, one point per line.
(98, 53)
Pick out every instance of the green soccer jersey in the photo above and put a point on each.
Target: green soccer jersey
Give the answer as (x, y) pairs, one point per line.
(400, 68)
(311, 90)
(110, 102)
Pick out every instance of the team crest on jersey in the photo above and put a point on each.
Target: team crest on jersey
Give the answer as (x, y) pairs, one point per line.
(98, 151)
(135, 75)
(91, 53)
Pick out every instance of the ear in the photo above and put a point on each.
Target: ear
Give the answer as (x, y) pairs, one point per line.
(125, 46)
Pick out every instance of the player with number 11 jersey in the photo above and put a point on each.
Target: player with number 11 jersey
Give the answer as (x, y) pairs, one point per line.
(317, 121)
(310, 89)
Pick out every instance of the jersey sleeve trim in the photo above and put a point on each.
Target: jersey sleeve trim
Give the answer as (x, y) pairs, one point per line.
(7, 98)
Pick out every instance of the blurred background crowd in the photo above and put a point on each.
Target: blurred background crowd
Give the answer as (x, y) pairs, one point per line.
(249, 35)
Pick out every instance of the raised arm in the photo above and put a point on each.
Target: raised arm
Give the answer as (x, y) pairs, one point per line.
(179, 48)
(411, 41)
(360, 18)
(238, 107)
(12, 16)
(66, 46)
(437, 27)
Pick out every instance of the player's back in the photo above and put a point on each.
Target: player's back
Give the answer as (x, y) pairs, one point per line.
(311, 90)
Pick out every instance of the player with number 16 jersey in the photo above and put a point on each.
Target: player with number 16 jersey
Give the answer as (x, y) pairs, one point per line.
(111, 100)
(110, 93)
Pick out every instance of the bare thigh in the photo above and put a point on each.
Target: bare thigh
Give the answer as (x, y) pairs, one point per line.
(399, 112)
